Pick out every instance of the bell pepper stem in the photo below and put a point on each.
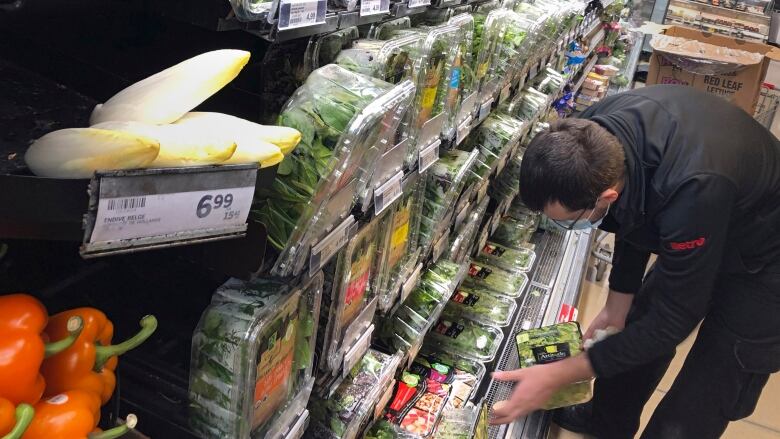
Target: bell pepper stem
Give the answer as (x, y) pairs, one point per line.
(118, 431)
(24, 415)
(75, 325)
(103, 353)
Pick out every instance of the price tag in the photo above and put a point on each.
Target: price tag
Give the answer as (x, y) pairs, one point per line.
(154, 208)
(504, 94)
(384, 400)
(418, 3)
(356, 352)
(438, 248)
(428, 156)
(301, 13)
(374, 7)
(464, 128)
(325, 249)
(410, 283)
(388, 193)
(484, 109)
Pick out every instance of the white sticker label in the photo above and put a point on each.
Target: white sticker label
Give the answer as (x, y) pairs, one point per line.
(325, 249)
(484, 110)
(301, 13)
(374, 7)
(388, 193)
(463, 130)
(357, 350)
(162, 214)
(504, 94)
(410, 283)
(418, 3)
(57, 400)
(428, 156)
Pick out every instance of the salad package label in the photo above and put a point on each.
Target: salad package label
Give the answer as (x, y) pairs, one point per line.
(449, 329)
(465, 297)
(479, 271)
(551, 353)
(494, 250)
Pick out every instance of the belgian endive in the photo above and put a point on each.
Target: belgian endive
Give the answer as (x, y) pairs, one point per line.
(79, 152)
(283, 137)
(166, 96)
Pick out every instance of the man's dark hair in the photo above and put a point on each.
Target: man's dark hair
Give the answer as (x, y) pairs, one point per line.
(573, 163)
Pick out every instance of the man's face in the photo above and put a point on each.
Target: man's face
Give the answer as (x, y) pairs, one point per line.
(568, 219)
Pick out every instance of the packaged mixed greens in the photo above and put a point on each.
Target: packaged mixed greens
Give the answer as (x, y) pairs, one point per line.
(514, 47)
(482, 306)
(341, 116)
(499, 132)
(464, 71)
(467, 374)
(513, 233)
(485, 276)
(348, 308)
(465, 338)
(457, 423)
(255, 335)
(488, 31)
(323, 49)
(554, 343)
(508, 258)
(342, 415)
(385, 29)
(528, 104)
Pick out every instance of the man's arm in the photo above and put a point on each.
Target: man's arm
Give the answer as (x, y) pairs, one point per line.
(693, 228)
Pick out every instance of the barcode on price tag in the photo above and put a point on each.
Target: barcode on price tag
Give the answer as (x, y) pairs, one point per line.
(330, 244)
(418, 3)
(153, 208)
(386, 194)
(428, 156)
(374, 7)
(301, 13)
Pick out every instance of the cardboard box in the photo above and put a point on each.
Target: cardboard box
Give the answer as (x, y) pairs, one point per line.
(728, 67)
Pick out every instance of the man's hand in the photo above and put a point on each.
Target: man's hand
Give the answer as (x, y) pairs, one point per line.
(536, 385)
(612, 315)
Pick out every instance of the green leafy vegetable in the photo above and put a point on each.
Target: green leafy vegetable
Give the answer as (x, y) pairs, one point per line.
(483, 276)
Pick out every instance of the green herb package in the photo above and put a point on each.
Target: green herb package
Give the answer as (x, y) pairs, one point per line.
(513, 233)
(508, 258)
(252, 358)
(499, 132)
(464, 71)
(465, 338)
(342, 116)
(324, 49)
(497, 280)
(514, 47)
(346, 411)
(482, 306)
(349, 302)
(554, 343)
(467, 374)
(488, 32)
(385, 30)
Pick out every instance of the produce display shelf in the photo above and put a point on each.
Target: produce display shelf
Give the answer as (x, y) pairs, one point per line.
(735, 13)
(630, 70)
(726, 30)
(584, 74)
(556, 280)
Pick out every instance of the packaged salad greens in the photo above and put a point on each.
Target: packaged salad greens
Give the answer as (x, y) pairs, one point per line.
(323, 49)
(446, 179)
(464, 68)
(510, 259)
(466, 375)
(401, 253)
(554, 343)
(499, 132)
(489, 277)
(349, 307)
(255, 335)
(514, 47)
(482, 306)
(346, 411)
(341, 116)
(528, 104)
(385, 29)
(465, 338)
(513, 233)
(457, 423)
(488, 30)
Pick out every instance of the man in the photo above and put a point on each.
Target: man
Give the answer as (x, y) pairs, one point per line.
(687, 176)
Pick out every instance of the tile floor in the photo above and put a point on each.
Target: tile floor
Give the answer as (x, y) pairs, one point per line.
(763, 424)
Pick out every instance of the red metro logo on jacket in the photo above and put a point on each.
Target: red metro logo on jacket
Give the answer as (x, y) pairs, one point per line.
(688, 245)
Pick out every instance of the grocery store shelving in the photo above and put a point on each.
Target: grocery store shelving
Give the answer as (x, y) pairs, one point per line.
(630, 68)
(735, 13)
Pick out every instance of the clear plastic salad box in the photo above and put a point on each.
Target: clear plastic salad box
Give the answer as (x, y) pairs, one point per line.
(342, 116)
(466, 62)
(323, 49)
(514, 47)
(499, 133)
(488, 26)
(465, 338)
(349, 304)
(554, 343)
(482, 306)
(401, 252)
(385, 29)
(488, 277)
(252, 358)
(508, 258)
(466, 372)
(343, 414)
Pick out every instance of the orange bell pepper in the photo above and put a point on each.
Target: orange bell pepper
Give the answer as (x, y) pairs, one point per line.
(14, 420)
(90, 363)
(72, 415)
(22, 348)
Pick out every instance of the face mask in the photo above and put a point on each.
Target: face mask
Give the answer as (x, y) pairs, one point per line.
(583, 224)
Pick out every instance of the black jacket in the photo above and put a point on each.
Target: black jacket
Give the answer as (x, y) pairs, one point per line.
(702, 192)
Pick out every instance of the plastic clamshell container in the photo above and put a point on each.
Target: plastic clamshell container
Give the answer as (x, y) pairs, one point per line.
(464, 67)
(488, 23)
(342, 116)
(499, 132)
(482, 306)
(514, 47)
(323, 49)
(254, 335)
(513, 233)
(384, 30)
(509, 259)
(392, 61)
(344, 413)
(554, 343)
(465, 338)
(459, 365)
(401, 252)
(349, 308)
(411, 318)
(488, 277)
